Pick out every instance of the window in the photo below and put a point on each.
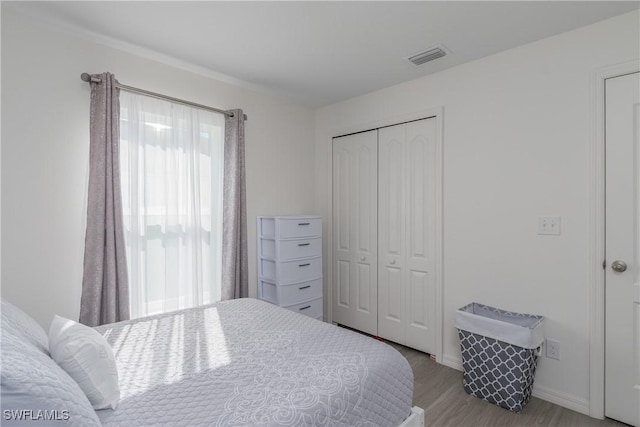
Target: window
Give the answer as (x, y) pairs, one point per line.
(171, 159)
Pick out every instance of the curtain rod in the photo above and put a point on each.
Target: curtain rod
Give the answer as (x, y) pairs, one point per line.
(86, 77)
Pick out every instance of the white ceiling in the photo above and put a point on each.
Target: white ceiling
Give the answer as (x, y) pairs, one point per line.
(319, 53)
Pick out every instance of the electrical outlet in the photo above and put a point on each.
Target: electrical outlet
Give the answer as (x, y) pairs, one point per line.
(553, 349)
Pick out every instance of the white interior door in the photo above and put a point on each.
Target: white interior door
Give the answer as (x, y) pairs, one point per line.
(622, 277)
(406, 234)
(355, 218)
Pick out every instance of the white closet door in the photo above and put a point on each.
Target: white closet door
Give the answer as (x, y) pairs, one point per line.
(406, 234)
(355, 203)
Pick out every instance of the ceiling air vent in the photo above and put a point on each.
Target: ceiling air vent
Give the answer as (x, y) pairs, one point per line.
(427, 55)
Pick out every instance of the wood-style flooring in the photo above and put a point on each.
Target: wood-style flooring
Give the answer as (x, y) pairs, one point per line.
(438, 390)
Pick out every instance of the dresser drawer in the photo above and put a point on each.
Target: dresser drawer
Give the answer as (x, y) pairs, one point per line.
(292, 228)
(291, 294)
(300, 270)
(291, 249)
(311, 308)
(305, 291)
(300, 248)
(288, 272)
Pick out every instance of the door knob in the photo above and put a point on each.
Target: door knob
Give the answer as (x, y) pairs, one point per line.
(619, 266)
(362, 258)
(393, 261)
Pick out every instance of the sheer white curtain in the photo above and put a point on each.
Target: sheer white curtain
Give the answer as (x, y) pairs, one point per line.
(171, 170)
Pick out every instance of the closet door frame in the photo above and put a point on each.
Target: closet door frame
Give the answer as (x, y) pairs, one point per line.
(437, 114)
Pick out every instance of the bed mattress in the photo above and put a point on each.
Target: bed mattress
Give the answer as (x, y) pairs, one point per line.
(247, 362)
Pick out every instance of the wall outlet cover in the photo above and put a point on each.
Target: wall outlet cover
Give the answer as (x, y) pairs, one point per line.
(553, 349)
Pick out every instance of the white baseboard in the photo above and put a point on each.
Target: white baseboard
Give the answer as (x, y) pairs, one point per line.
(559, 398)
(452, 362)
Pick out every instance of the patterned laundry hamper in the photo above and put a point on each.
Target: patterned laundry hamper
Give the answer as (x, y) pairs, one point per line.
(499, 353)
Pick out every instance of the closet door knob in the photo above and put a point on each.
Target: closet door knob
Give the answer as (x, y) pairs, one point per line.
(393, 261)
(362, 258)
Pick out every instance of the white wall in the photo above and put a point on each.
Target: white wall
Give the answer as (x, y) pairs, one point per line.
(516, 146)
(45, 152)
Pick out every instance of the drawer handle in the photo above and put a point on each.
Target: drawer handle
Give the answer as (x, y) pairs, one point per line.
(304, 223)
(304, 244)
(304, 287)
(304, 308)
(304, 265)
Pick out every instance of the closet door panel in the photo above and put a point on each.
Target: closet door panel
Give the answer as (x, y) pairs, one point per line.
(342, 159)
(391, 192)
(392, 242)
(341, 189)
(417, 200)
(355, 231)
(364, 224)
(420, 220)
(366, 194)
(417, 288)
(342, 283)
(363, 289)
(406, 233)
(420, 316)
(390, 304)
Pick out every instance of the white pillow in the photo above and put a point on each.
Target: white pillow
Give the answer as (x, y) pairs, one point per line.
(88, 358)
(31, 380)
(27, 327)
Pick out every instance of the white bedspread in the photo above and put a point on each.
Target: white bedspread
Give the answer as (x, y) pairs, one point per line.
(247, 362)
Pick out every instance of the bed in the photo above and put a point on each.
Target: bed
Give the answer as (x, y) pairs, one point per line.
(249, 363)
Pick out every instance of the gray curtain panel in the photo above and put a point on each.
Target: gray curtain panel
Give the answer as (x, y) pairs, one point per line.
(105, 285)
(235, 270)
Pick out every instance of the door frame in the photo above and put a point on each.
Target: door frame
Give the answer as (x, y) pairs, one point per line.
(437, 114)
(597, 238)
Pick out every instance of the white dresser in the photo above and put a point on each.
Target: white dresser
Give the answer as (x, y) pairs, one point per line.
(290, 262)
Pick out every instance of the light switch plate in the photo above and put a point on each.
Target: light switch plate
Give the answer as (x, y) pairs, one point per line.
(549, 225)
